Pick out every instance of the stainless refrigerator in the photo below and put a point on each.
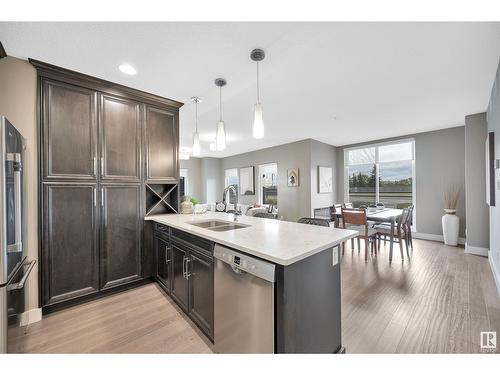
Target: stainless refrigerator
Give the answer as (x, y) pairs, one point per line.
(14, 266)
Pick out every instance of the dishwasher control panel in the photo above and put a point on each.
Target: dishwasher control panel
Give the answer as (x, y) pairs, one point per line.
(245, 262)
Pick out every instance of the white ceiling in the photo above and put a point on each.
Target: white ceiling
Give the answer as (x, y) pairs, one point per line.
(339, 83)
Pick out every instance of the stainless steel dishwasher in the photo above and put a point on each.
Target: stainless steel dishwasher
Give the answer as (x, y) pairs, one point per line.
(244, 303)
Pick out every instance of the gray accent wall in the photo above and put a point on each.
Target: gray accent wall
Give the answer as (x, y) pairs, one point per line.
(477, 211)
(293, 202)
(211, 180)
(324, 155)
(439, 161)
(193, 165)
(493, 118)
(18, 82)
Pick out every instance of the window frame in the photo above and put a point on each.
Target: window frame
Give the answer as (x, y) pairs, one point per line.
(260, 198)
(377, 145)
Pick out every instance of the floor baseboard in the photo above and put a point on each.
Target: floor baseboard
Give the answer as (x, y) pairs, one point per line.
(494, 271)
(434, 237)
(30, 316)
(481, 251)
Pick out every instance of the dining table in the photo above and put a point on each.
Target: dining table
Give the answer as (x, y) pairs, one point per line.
(385, 215)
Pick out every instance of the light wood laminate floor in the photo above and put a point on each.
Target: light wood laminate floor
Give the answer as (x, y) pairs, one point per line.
(438, 302)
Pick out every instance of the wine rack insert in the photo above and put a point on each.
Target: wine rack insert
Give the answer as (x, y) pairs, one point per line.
(162, 198)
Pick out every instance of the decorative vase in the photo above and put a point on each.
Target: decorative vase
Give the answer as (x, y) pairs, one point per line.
(451, 224)
(186, 206)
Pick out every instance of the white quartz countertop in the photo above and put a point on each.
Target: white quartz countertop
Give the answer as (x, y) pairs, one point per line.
(280, 242)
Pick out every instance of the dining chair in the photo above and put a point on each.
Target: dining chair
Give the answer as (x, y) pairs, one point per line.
(265, 215)
(315, 221)
(355, 219)
(348, 205)
(400, 231)
(351, 206)
(337, 209)
(409, 223)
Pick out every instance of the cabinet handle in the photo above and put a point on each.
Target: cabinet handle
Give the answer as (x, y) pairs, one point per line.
(102, 197)
(95, 197)
(187, 268)
(102, 166)
(184, 267)
(95, 166)
(167, 248)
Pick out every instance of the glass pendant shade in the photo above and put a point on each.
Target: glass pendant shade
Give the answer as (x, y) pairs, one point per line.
(196, 144)
(221, 136)
(258, 122)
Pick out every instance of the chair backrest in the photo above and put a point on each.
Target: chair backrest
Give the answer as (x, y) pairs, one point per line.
(265, 215)
(314, 221)
(337, 207)
(403, 219)
(348, 205)
(409, 221)
(354, 216)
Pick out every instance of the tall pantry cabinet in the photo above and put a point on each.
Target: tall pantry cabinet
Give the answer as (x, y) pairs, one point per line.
(108, 157)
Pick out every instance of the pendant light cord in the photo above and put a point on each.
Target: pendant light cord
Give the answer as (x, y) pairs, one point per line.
(258, 96)
(196, 114)
(220, 102)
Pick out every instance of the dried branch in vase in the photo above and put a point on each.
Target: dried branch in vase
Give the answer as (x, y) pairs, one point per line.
(451, 197)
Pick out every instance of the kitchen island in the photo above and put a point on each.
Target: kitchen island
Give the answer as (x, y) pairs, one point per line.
(306, 288)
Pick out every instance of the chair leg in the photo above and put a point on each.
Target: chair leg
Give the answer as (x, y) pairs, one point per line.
(359, 244)
(366, 249)
(401, 246)
(411, 239)
(385, 239)
(406, 243)
(352, 243)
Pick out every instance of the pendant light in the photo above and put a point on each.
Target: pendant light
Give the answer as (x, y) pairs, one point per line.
(258, 122)
(220, 138)
(196, 136)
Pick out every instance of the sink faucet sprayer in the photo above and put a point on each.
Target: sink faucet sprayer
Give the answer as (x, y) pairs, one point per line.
(236, 212)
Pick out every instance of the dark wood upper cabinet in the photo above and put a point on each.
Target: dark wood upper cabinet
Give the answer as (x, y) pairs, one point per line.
(70, 257)
(162, 139)
(69, 131)
(120, 139)
(121, 234)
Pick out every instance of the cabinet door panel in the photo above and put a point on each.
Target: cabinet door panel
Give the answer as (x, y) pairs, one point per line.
(163, 253)
(179, 290)
(69, 131)
(120, 129)
(69, 253)
(120, 234)
(161, 144)
(201, 294)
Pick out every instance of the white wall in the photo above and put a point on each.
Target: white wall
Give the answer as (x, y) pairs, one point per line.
(18, 104)
(211, 180)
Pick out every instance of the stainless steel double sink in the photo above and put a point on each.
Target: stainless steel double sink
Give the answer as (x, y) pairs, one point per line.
(218, 225)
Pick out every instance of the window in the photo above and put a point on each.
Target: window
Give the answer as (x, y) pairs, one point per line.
(184, 183)
(381, 173)
(231, 178)
(268, 184)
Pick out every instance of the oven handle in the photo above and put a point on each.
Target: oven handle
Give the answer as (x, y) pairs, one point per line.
(16, 247)
(20, 284)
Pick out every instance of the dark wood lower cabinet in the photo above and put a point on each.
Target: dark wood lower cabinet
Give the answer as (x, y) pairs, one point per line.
(69, 261)
(186, 272)
(201, 291)
(163, 258)
(179, 288)
(121, 234)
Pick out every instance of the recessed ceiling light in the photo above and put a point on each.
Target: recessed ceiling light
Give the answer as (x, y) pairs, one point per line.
(127, 69)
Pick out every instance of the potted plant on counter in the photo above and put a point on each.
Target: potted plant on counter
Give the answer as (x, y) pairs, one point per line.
(450, 220)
